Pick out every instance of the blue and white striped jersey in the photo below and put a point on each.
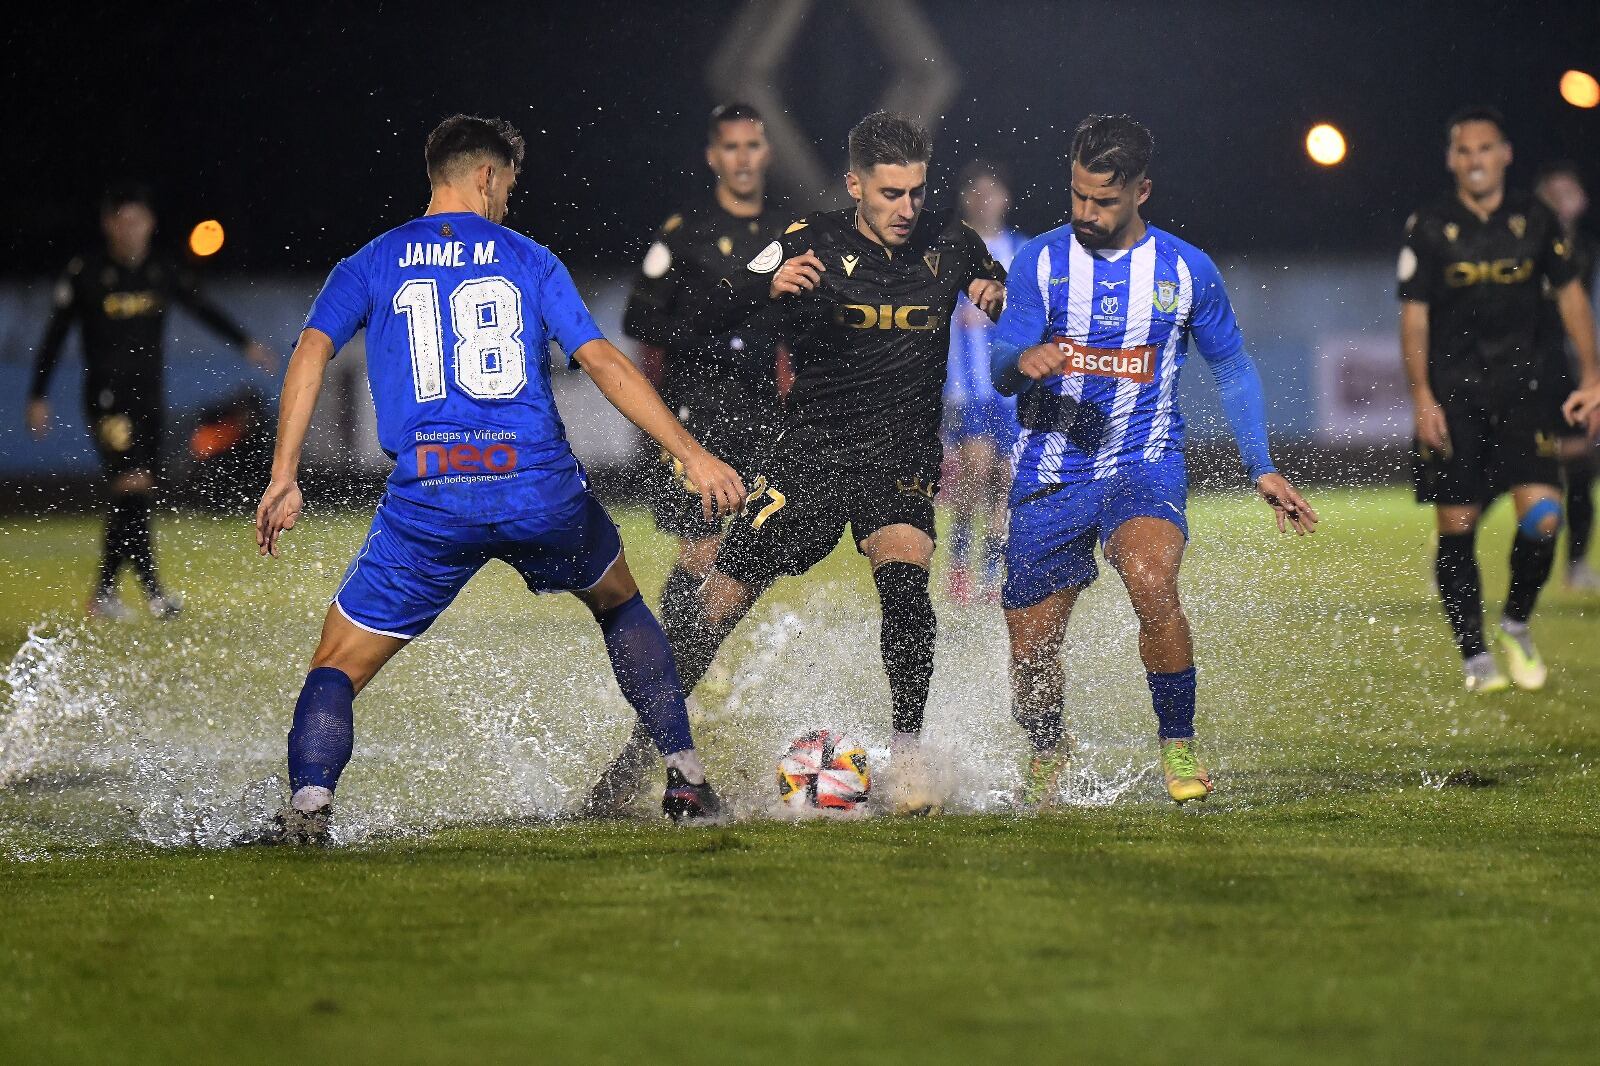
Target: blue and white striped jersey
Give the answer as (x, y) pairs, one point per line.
(1125, 320)
(968, 380)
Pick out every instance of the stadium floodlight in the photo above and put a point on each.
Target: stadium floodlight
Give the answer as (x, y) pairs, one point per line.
(1580, 89)
(1325, 144)
(206, 238)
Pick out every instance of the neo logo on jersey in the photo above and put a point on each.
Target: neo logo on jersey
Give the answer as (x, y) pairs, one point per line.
(1129, 364)
(886, 316)
(465, 459)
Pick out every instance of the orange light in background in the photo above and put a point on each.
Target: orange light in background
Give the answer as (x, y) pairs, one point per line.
(206, 238)
(1325, 144)
(1579, 89)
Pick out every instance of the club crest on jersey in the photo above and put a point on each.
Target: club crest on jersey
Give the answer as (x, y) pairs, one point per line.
(1519, 226)
(932, 259)
(1166, 297)
(1109, 305)
(1129, 364)
(1451, 232)
(725, 245)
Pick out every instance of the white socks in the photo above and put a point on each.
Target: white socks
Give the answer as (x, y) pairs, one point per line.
(687, 762)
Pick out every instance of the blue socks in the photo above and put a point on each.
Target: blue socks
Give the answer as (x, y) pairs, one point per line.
(324, 730)
(960, 540)
(646, 673)
(1173, 697)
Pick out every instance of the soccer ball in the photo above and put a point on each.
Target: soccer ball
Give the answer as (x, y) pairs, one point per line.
(824, 770)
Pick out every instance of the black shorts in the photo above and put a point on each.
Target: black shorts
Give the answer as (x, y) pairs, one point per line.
(800, 505)
(1493, 448)
(126, 440)
(676, 505)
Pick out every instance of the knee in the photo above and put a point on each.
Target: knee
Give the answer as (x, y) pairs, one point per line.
(1154, 595)
(1542, 521)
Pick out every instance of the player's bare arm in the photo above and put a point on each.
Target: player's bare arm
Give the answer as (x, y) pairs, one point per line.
(1432, 430)
(279, 509)
(988, 296)
(629, 391)
(1583, 406)
(803, 273)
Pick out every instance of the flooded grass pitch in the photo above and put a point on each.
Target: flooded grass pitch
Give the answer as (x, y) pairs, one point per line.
(1324, 666)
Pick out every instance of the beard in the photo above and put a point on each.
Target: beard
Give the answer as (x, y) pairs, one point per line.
(1093, 236)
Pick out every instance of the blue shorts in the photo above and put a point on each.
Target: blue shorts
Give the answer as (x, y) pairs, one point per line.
(994, 419)
(1051, 536)
(409, 570)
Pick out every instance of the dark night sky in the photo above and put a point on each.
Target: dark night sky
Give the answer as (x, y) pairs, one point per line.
(301, 126)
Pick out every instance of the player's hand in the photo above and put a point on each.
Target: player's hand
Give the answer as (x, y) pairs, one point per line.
(721, 489)
(1292, 510)
(1433, 432)
(261, 357)
(279, 511)
(1042, 361)
(1583, 408)
(38, 417)
(988, 297)
(800, 274)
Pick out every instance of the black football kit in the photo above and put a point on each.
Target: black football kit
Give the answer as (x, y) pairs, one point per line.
(1484, 284)
(121, 310)
(860, 444)
(721, 382)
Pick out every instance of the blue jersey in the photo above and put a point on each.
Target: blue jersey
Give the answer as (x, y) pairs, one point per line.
(459, 313)
(968, 380)
(1125, 321)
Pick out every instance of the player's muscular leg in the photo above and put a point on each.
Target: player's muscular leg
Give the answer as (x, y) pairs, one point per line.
(1037, 680)
(613, 590)
(1146, 552)
(697, 556)
(898, 543)
(1533, 550)
(133, 481)
(900, 555)
(1455, 519)
(355, 652)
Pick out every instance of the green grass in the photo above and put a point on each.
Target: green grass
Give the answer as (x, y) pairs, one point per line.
(1390, 872)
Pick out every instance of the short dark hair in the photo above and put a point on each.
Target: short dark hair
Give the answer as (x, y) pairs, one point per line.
(982, 168)
(884, 137)
(734, 111)
(1559, 168)
(1477, 113)
(1114, 144)
(461, 137)
(124, 193)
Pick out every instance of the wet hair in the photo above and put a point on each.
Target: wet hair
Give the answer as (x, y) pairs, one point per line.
(124, 193)
(1115, 145)
(735, 111)
(884, 137)
(462, 138)
(1476, 113)
(1560, 168)
(982, 168)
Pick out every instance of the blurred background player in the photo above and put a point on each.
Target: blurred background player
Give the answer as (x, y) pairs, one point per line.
(980, 424)
(1560, 187)
(1472, 273)
(724, 386)
(459, 312)
(865, 294)
(119, 296)
(1099, 317)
